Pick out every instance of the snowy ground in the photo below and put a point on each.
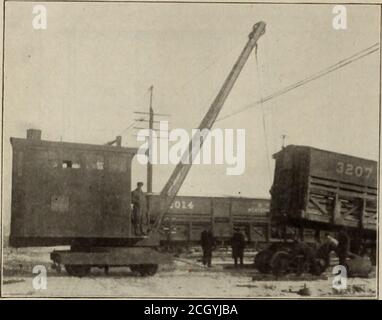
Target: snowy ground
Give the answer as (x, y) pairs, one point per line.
(187, 277)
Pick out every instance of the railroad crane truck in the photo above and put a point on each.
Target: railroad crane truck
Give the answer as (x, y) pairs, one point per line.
(79, 195)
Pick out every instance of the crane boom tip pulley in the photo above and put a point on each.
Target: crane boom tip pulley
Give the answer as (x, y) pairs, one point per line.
(258, 29)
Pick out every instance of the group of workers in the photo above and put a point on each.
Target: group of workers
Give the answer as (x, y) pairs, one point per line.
(138, 200)
(208, 244)
(309, 253)
(306, 251)
(341, 245)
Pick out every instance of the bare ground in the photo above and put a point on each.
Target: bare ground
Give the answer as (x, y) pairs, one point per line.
(186, 278)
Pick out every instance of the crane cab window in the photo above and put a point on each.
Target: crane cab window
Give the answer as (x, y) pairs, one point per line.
(69, 164)
(95, 162)
(66, 164)
(100, 164)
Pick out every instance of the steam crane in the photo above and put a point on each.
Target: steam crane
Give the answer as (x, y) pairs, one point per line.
(79, 195)
(180, 172)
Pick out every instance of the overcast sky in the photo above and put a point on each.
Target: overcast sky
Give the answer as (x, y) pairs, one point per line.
(82, 78)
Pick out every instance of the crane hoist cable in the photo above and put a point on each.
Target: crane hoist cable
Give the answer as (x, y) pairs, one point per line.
(258, 71)
(342, 63)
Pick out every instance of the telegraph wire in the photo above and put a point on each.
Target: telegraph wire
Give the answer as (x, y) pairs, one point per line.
(207, 67)
(196, 75)
(127, 128)
(342, 63)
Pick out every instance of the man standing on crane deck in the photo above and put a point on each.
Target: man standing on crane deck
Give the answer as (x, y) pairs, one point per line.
(138, 200)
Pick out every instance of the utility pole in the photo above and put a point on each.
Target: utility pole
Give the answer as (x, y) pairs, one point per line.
(149, 117)
(151, 127)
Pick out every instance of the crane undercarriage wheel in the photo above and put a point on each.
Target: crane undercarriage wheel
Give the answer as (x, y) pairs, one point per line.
(144, 269)
(280, 263)
(77, 270)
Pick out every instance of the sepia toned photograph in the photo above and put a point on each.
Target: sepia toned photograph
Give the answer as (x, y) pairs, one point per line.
(190, 150)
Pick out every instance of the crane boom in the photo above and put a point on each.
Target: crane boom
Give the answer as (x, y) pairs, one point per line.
(180, 172)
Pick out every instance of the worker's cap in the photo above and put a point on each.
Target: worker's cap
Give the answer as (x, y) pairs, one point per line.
(140, 183)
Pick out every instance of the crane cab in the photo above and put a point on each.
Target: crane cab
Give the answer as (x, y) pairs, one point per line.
(66, 192)
(75, 194)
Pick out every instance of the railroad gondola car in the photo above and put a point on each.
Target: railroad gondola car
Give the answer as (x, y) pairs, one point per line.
(323, 192)
(188, 216)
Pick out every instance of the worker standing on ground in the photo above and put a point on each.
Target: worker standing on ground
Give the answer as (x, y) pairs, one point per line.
(238, 246)
(138, 200)
(324, 250)
(208, 244)
(343, 247)
(329, 244)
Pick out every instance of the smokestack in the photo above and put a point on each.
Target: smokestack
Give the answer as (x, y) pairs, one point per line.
(34, 134)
